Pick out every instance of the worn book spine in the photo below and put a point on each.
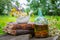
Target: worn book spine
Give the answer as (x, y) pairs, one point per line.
(20, 32)
(21, 26)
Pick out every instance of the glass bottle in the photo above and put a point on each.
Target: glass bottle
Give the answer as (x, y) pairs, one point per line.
(41, 25)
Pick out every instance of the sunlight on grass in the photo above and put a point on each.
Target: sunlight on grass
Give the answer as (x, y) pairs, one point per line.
(4, 20)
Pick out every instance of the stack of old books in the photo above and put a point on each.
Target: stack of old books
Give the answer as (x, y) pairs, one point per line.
(18, 29)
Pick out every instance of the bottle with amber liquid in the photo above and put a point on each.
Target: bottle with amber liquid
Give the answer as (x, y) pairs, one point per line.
(41, 25)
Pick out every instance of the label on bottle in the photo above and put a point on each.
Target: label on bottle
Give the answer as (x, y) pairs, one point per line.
(41, 30)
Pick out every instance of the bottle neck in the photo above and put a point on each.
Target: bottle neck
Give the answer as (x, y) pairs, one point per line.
(39, 12)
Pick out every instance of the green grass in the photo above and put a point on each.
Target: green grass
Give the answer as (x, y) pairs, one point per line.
(4, 20)
(55, 19)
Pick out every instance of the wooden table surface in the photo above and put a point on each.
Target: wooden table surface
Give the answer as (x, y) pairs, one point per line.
(24, 37)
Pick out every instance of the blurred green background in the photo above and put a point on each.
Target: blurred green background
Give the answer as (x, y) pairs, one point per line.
(50, 9)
